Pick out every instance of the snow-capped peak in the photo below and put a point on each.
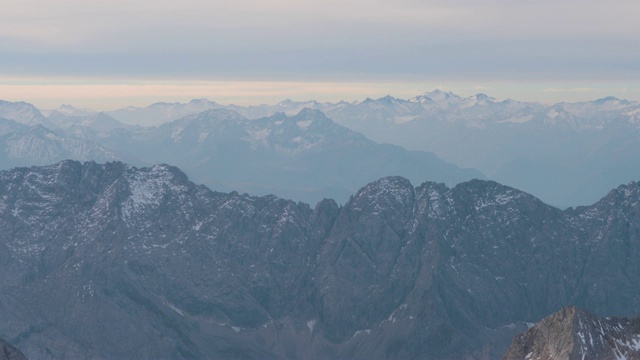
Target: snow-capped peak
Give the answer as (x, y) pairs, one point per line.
(21, 112)
(70, 110)
(438, 97)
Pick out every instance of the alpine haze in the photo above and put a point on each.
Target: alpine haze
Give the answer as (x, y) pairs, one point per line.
(277, 179)
(567, 154)
(305, 157)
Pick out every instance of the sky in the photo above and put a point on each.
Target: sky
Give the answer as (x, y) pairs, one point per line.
(109, 54)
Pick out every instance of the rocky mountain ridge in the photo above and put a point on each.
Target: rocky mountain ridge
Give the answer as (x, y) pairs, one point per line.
(38, 145)
(573, 334)
(304, 157)
(479, 110)
(102, 254)
(21, 112)
(565, 153)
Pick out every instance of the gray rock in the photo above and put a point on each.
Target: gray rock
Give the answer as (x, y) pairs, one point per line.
(573, 334)
(8, 352)
(112, 261)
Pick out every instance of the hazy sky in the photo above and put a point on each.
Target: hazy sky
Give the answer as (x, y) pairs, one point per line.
(107, 53)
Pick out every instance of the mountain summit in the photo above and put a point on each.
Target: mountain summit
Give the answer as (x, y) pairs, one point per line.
(574, 334)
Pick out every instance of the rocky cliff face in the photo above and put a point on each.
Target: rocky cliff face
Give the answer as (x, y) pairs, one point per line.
(8, 352)
(573, 333)
(112, 261)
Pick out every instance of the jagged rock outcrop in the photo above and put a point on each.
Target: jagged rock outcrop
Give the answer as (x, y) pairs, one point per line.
(9, 352)
(574, 334)
(94, 255)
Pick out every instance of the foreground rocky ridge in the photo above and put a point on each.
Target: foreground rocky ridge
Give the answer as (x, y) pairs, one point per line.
(573, 334)
(8, 352)
(96, 255)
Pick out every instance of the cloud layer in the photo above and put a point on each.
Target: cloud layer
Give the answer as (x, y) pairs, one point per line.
(356, 39)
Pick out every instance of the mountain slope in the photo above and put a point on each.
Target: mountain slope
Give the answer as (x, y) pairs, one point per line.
(37, 145)
(304, 157)
(564, 153)
(99, 123)
(162, 112)
(20, 112)
(97, 255)
(573, 333)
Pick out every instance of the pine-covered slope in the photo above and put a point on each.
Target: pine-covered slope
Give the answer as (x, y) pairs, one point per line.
(112, 261)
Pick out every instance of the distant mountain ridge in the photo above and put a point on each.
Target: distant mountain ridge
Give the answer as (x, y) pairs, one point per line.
(566, 153)
(475, 111)
(159, 113)
(145, 259)
(306, 157)
(37, 145)
(21, 112)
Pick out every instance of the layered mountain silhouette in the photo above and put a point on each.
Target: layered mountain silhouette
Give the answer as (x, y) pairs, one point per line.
(304, 157)
(113, 261)
(567, 154)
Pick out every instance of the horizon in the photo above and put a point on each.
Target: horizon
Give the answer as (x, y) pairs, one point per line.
(99, 95)
(106, 55)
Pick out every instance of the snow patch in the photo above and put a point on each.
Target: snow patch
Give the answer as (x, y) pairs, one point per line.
(176, 310)
(304, 125)
(366, 331)
(147, 190)
(404, 119)
(311, 324)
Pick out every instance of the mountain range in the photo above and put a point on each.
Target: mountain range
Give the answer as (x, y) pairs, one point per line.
(114, 261)
(306, 157)
(566, 153)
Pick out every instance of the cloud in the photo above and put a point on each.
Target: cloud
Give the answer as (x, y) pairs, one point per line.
(123, 25)
(330, 40)
(570, 90)
(101, 24)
